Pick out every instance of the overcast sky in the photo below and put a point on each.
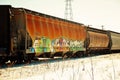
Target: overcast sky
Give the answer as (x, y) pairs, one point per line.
(88, 12)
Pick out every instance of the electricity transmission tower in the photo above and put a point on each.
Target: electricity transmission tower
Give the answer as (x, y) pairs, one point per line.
(68, 10)
(102, 27)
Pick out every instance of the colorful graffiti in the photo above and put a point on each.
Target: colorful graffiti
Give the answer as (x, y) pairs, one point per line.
(60, 44)
(76, 45)
(43, 44)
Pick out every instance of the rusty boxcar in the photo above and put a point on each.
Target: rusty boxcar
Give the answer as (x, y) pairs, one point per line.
(54, 35)
(97, 40)
(28, 33)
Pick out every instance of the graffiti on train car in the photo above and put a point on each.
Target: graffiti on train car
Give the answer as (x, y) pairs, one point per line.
(76, 45)
(60, 44)
(42, 44)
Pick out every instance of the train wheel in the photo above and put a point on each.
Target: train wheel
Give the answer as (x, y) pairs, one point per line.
(13, 60)
(19, 60)
(51, 56)
(65, 56)
(27, 59)
(20, 57)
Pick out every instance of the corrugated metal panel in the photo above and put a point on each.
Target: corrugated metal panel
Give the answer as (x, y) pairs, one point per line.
(52, 31)
(57, 29)
(115, 41)
(82, 33)
(65, 30)
(98, 40)
(30, 25)
(37, 24)
(53, 28)
(52, 34)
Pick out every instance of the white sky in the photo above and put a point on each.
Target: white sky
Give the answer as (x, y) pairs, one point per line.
(88, 12)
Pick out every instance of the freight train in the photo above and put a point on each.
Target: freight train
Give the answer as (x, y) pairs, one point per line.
(27, 34)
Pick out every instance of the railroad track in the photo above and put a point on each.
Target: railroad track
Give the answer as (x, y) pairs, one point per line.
(35, 62)
(41, 61)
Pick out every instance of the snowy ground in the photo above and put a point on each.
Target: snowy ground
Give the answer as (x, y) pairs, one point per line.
(105, 67)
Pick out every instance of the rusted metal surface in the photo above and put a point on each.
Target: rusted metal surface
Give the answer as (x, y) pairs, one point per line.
(115, 37)
(53, 35)
(98, 40)
(53, 28)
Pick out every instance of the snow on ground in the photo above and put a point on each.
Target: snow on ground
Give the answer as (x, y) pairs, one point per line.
(106, 67)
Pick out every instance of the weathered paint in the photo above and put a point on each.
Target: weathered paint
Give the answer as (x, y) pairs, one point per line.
(60, 44)
(98, 40)
(54, 35)
(41, 45)
(76, 45)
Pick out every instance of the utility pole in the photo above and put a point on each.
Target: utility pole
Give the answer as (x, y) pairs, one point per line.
(68, 10)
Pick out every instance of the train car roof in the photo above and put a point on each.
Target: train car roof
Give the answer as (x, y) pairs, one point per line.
(96, 30)
(113, 32)
(46, 15)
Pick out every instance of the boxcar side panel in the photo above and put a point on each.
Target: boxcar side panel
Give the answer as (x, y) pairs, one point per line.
(50, 34)
(98, 40)
(20, 39)
(30, 25)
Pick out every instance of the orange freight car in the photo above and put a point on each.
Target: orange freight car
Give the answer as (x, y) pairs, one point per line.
(54, 35)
